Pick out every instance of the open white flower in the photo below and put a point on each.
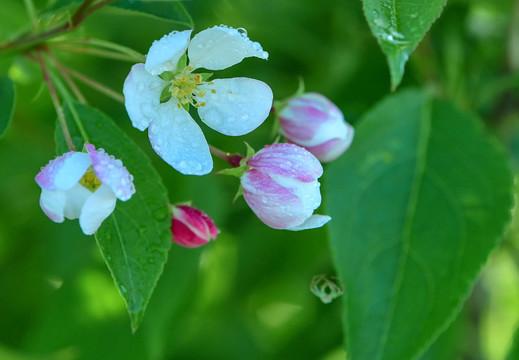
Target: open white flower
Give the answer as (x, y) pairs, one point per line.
(85, 186)
(232, 107)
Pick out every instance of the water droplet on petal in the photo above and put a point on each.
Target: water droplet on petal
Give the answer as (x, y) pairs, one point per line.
(148, 111)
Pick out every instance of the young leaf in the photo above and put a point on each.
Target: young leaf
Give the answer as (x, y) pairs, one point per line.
(399, 26)
(7, 100)
(418, 203)
(135, 239)
(171, 10)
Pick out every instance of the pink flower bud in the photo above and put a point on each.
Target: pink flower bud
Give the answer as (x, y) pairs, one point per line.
(315, 123)
(192, 227)
(281, 187)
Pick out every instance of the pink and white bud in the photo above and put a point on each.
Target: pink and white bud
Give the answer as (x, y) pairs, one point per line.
(192, 227)
(281, 187)
(315, 123)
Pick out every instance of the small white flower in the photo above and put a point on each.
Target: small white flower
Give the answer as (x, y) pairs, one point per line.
(232, 107)
(85, 186)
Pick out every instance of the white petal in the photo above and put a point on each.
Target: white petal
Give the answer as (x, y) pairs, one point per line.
(178, 139)
(308, 192)
(142, 96)
(165, 53)
(96, 209)
(314, 221)
(76, 198)
(219, 47)
(63, 172)
(237, 107)
(52, 203)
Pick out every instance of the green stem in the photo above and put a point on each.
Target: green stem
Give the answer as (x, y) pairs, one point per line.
(135, 55)
(94, 52)
(79, 95)
(55, 101)
(31, 11)
(95, 85)
(70, 103)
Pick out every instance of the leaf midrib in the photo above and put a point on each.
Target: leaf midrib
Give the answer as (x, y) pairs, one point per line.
(422, 146)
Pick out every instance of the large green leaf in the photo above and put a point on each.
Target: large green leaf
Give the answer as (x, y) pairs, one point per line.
(7, 100)
(418, 203)
(513, 352)
(135, 239)
(171, 10)
(399, 26)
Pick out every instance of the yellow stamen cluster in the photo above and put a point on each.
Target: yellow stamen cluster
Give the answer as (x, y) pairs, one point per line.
(90, 181)
(185, 87)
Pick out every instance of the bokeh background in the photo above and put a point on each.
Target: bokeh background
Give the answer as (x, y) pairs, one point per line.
(246, 295)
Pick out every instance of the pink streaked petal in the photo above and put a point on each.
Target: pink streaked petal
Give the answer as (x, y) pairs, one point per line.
(237, 106)
(142, 96)
(184, 236)
(112, 172)
(179, 141)
(275, 205)
(287, 160)
(220, 47)
(313, 222)
(63, 172)
(333, 148)
(96, 209)
(53, 204)
(311, 119)
(308, 192)
(198, 221)
(165, 53)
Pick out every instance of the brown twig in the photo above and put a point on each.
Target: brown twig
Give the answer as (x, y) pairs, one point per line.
(31, 41)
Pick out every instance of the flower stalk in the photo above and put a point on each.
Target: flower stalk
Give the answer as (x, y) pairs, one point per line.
(232, 159)
(55, 101)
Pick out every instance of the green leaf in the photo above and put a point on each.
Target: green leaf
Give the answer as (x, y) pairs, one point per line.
(418, 203)
(399, 26)
(171, 10)
(135, 239)
(7, 101)
(513, 352)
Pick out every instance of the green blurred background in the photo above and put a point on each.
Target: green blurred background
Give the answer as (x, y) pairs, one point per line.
(246, 295)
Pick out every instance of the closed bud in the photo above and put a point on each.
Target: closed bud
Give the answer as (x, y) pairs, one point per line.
(280, 185)
(315, 123)
(192, 227)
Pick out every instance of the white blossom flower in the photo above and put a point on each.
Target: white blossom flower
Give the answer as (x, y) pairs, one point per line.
(85, 186)
(158, 91)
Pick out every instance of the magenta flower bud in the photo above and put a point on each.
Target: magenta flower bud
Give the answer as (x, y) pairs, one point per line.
(281, 187)
(315, 123)
(192, 227)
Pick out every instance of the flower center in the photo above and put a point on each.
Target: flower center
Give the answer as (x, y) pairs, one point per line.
(185, 86)
(90, 181)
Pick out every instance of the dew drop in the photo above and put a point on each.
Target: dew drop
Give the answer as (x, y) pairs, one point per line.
(159, 214)
(242, 32)
(147, 110)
